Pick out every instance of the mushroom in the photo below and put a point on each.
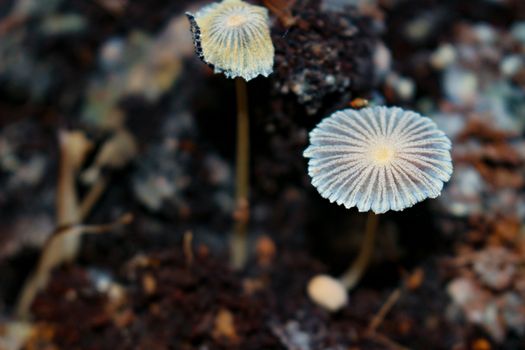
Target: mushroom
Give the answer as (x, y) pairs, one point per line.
(233, 37)
(377, 159)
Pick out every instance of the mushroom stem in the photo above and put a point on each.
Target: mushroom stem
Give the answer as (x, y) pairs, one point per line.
(353, 275)
(242, 181)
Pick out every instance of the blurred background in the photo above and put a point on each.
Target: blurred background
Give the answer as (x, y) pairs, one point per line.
(106, 111)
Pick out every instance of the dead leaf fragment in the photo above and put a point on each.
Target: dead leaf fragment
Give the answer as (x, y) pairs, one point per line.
(149, 284)
(266, 251)
(225, 326)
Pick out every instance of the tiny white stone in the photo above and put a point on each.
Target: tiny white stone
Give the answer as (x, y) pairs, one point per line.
(518, 31)
(330, 79)
(485, 33)
(460, 85)
(443, 56)
(327, 292)
(403, 87)
(462, 291)
(418, 29)
(382, 60)
(111, 52)
(511, 65)
(406, 88)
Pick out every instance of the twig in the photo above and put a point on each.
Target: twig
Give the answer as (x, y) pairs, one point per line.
(187, 247)
(383, 311)
(53, 254)
(73, 146)
(389, 343)
(92, 197)
(125, 219)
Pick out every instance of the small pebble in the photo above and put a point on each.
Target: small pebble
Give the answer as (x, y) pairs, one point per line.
(518, 32)
(443, 56)
(461, 86)
(511, 65)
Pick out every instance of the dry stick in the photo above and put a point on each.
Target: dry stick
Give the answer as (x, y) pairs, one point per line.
(376, 321)
(59, 247)
(51, 258)
(387, 342)
(381, 314)
(371, 331)
(66, 195)
(125, 219)
(92, 197)
(352, 276)
(74, 146)
(63, 244)
(187, 247)
(242, 180)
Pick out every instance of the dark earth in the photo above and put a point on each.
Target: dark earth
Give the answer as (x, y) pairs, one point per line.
(163, 281)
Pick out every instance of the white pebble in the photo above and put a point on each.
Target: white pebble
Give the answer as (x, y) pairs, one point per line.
(461, 86)
(443, 56)
(511, 65)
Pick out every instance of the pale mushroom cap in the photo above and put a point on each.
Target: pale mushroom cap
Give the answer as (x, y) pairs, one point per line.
(378, 158)
(234, 37)
(327, 292)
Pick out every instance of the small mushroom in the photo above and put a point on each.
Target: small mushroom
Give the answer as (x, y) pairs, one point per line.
(234, 37)
(378, 158)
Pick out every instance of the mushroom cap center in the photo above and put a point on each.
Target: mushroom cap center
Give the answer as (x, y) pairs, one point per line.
(236, 20)
(383, 153)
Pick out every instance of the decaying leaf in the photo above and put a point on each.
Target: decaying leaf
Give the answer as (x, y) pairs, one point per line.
(225, 326)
